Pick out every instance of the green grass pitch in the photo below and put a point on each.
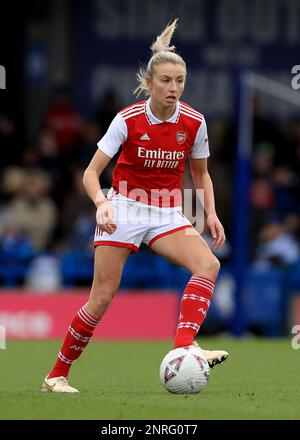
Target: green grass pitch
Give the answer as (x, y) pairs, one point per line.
(119, 380)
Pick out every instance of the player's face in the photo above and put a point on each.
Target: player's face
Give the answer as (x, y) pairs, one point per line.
(167, 84)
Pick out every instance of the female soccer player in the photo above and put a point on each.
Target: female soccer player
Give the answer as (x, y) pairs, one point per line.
(144, 204)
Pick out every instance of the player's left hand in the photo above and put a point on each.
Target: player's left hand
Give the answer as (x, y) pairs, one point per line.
(217, 230)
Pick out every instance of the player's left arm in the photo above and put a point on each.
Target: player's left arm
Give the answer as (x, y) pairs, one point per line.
(202, 180)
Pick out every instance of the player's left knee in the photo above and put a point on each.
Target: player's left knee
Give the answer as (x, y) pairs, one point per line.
(209, 266)
(214, 266)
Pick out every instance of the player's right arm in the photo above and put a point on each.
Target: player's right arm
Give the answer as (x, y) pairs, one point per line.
(105, 214)
(108, 146)
(91, 177)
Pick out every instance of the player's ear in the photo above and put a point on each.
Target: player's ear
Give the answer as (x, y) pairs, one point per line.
(149, 83)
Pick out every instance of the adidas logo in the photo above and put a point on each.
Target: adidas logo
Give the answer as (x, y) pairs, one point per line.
(145, 137)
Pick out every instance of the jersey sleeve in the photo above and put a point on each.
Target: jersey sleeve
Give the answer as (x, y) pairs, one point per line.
(200, 149)
(114, 137)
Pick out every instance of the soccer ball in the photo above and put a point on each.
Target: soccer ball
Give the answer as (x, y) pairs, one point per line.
(184, 370)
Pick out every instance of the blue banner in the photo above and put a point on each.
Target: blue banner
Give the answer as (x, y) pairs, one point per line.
(217, 38)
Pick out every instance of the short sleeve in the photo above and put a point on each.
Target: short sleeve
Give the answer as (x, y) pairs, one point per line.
(200, 149)
(114, 137)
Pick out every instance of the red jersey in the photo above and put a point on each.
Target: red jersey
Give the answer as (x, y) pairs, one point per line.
(154, 152)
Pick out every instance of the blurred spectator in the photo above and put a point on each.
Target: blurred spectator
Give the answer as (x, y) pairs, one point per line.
(30, 158)
(12, 181)
(77, 206)
(277, 247)
(14, 244)
(88, 147)
(9, 141)
(262, 203)
(285, 183)
(35, 210)
(45, 156)
(43, 275)
(263, 161)
(86, 150)
(261, 195)
(65, 122)
(292, 225)
(51, 162)
(82, 233)
(107, 110)
(16, 250)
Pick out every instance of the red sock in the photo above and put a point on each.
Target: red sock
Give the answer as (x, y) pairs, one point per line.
(79, 335)
(194, 306)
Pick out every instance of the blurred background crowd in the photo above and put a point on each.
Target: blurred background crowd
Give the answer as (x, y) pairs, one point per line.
(48, 135)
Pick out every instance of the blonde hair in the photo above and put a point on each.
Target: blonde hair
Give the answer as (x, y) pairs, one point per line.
(161, 53)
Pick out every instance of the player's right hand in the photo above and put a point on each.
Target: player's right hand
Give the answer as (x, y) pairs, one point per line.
(105, 217)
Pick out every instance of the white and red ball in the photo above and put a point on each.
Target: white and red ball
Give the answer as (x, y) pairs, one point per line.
(184, 370)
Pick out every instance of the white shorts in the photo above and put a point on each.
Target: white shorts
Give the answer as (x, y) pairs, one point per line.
(139, 223)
